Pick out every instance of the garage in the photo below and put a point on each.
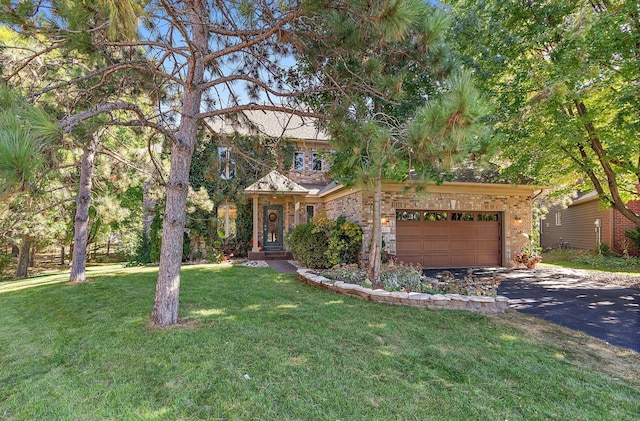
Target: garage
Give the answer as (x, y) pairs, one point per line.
(448, 239)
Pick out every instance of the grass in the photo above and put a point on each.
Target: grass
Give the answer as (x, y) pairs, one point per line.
(587, 259)
(257, 345)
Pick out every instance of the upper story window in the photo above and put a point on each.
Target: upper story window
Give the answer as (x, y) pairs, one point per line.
(298, 161)
(317, 162)
(558, 219)
(227, 164)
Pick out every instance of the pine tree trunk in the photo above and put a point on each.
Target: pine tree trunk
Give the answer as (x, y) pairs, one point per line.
(23, 257)
(32, 255)
(81, 222)
(61, 255)
(375, 255)
(165, 308)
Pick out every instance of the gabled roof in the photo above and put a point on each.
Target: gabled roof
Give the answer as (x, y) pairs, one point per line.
(274, 124)
(274, 182)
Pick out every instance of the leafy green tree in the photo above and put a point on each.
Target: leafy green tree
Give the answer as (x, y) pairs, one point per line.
(208, 60)
(564, 77)
(400, 109)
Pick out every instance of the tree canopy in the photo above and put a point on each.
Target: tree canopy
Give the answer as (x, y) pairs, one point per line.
(564, 77)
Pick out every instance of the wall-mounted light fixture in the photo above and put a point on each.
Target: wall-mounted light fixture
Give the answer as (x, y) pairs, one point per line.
(383, 221)
(517, 220)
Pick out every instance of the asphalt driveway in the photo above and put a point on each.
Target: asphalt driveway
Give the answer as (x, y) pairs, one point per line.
(575, 299)
(565, 297)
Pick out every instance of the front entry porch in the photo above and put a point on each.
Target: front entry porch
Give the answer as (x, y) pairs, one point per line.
(275, 200)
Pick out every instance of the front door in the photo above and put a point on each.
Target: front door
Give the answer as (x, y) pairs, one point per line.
(272, 227)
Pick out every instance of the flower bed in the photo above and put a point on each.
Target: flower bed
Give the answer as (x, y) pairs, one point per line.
(409, 278)
(474, 303)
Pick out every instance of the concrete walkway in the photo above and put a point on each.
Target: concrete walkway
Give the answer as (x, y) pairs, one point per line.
(282, 266)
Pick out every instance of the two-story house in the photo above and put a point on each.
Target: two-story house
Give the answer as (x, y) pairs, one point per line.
(470, 221)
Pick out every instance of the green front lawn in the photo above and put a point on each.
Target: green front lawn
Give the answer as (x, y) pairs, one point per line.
(259, 345)
(587, 259)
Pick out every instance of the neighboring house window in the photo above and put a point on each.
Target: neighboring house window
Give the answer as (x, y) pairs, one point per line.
(558, 219)
(317, 162)
(227, 164)
(227, 220)
(310, 212)
(298, 161)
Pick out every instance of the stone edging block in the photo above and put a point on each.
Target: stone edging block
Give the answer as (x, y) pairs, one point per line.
(477, 304)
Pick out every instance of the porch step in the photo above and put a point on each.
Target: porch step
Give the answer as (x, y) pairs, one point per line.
(278, 255)
(271, 255)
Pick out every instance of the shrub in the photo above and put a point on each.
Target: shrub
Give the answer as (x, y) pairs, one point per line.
(142, 252)
(5, 261)
(308, 245)
(347, 273)
(322, 243)
(634, 236)
(401, 276)
(345, 242)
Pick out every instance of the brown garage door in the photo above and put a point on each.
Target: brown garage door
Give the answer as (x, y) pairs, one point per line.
(448, 239)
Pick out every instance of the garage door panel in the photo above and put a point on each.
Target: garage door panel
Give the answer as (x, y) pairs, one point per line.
(487, 245)
(462, 246)
(463, 259)
(447, 243)
(402, 229)
(410, 246)
(440, 245)
(486, 231)
(436, 260)
(487, 260)
(462, 230)
(435, 229)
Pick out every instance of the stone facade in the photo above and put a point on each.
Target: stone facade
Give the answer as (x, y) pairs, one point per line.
(308, 175)
(513, 204)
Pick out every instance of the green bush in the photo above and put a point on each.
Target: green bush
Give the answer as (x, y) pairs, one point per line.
(322, 243)
(308, 244)
(5, 261)
(142, 252)
(155, 237)
(634, 236)
(401, 276)
(345, 242)
(346, 273)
